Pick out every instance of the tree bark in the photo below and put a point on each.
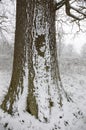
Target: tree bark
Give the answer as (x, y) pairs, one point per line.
(35, 59)
(23, 40)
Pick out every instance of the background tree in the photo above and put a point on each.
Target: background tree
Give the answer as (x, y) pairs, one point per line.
(7, 21)
(35, 65)
(83, 51)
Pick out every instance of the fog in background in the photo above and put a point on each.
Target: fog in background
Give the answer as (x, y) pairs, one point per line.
(70, 37)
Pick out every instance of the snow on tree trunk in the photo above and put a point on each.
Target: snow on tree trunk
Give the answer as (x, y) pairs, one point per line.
(35, 59)
(44, 56)
(20, 64)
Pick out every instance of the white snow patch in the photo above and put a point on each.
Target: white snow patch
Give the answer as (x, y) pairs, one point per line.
(72, 115)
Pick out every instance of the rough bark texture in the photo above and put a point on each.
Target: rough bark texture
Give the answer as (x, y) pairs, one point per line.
(22, 57)
(44, 56)
(19, 58)
(32, 106)
(35, 48)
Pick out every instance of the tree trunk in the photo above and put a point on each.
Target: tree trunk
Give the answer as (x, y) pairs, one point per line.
(35, 68)
(23, 40)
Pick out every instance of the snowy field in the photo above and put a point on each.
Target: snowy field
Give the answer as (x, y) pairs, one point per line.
(71, 116)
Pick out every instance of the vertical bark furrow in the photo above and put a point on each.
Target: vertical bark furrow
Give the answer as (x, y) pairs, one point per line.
(32, 106)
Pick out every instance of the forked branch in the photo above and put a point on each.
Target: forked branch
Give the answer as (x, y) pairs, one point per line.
(68, 7)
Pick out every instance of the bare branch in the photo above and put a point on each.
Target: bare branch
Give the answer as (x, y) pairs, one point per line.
(78, 11)
(68, 7)
(60, 4)
(83, 7)
(2, 16)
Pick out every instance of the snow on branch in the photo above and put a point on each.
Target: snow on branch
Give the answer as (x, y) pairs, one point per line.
(75, 12)
(60, 4)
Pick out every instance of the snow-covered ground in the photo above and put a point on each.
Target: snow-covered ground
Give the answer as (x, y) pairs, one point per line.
(71, 116)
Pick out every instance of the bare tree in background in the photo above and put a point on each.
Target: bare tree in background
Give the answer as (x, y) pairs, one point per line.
(35, 66)
(83, 51)
(7, 21)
